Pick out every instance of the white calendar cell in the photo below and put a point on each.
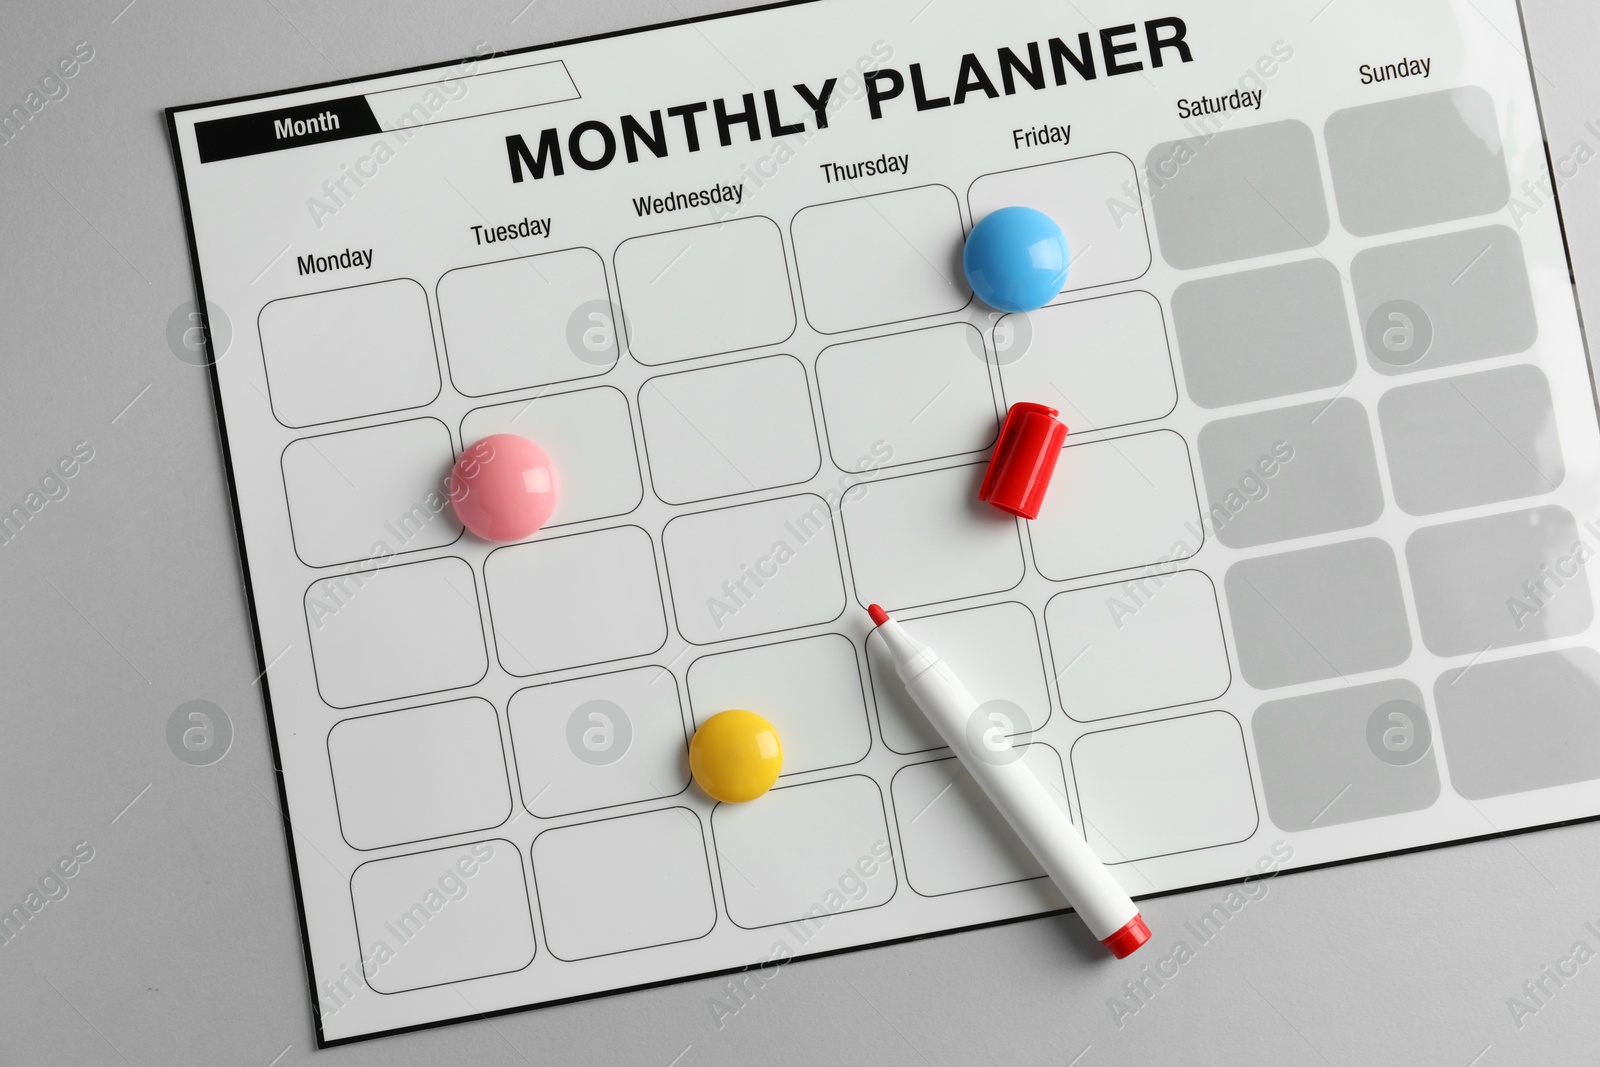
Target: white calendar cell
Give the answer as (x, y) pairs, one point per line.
(1102, 363)
(419, 773)
(527, 322)
(676, 285)
(907, 397)
(726, 430)
(1116, 504)
(448, 915)
(623, 884)
(1165, 787)
(574, 601)
(593, 743)
(805, 851)
(588, 435)
(1103, 641)
(381, 633)
(360, 493)
(924, 538)
(345, 353)
(1096, 202)
(810, 690)
(873, 260)
(754, 569)
(994, 650)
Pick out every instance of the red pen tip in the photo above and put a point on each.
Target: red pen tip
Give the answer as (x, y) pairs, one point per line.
(879, 616)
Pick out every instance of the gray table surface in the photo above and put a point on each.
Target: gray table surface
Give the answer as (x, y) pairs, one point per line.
(178, 942)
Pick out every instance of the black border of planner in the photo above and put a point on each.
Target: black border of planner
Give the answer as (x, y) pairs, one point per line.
(261, 659)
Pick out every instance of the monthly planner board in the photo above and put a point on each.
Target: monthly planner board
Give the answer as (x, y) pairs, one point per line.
(1311, 583)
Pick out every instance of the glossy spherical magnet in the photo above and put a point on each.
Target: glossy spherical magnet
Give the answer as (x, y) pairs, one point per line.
(503, 488)
(1016, 259)
(735, 756)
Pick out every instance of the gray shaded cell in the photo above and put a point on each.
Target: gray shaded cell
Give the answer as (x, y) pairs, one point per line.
(1477, 439)
(1263, 333)
(1470, 290)
(1325, 612)
(1521, 724)
(1417, 161)
(1277, 475)
(1237, 194)
(1500, 580)
(1398, 333)
(1352, 754)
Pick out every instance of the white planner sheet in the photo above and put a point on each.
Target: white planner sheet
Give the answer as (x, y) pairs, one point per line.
(1311, 583)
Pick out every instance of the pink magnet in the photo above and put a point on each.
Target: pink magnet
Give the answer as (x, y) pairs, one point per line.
(503, 488)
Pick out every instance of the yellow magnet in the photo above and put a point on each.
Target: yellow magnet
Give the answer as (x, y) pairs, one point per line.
(735, 756)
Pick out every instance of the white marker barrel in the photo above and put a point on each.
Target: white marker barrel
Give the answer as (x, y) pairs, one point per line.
(1025, 802)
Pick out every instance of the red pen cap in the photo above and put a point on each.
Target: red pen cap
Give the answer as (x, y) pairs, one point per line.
(1126, 941)
(1024, 460)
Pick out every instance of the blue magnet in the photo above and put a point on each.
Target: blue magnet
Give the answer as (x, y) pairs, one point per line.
(1016, 259)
